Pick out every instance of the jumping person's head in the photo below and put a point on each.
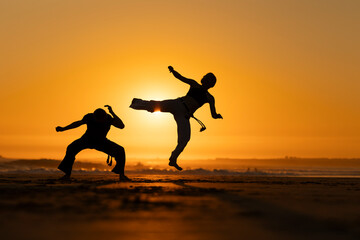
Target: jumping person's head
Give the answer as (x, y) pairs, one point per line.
(100, 115)
(209, 80)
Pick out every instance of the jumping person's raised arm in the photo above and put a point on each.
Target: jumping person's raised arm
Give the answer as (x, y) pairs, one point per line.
(70, 126)
(189, 81)
(117, 121)
(214, 114)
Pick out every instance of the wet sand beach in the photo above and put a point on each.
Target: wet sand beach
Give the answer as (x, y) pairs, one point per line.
(97, 206)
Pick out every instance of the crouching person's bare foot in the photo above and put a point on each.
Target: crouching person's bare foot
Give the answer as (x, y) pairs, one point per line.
(66, 177)
(123, 178)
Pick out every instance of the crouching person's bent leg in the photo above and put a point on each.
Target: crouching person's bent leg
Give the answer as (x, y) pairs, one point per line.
(118, 152)
(183, 129)
(72, 150)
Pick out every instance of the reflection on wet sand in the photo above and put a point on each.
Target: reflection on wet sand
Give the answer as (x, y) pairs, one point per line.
(186, 207)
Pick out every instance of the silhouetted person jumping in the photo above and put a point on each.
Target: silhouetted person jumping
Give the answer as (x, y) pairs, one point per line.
(183, 108)
(98, 125)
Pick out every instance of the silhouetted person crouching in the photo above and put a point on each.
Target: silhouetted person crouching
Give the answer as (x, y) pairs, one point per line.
(98, 125)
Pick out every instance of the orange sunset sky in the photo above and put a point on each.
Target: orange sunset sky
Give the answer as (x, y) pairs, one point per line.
(288, 75)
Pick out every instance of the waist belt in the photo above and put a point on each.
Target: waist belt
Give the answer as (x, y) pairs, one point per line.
(203, 127)
(109, 160)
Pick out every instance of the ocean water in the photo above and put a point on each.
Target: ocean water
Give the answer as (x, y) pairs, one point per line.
(232, 167)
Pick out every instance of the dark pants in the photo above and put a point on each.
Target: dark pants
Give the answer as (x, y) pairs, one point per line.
(181, 115)
(105, 146)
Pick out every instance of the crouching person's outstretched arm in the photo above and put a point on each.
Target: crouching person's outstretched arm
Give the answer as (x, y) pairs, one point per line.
(70, 126)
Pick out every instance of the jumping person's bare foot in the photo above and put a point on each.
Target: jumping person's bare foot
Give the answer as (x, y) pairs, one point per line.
(175, 165)
(136, 103)
(124, 178)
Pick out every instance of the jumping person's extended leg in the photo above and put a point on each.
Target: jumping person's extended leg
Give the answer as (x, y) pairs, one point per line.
(154, 106)
(184, 131)
(72, 150)
(118, 153)
(181, 115)
(140, 104)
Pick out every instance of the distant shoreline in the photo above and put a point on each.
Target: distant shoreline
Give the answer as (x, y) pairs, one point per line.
(305, 167)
